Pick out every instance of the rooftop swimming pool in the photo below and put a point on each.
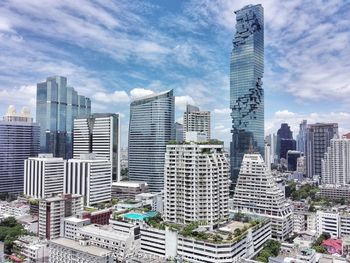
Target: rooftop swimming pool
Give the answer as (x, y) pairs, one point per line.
(138, 216)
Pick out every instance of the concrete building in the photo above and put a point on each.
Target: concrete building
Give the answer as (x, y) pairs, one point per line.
(32, 249)
(196, 120)
(336, 192)
(268, 159)
(99, 133)
(71, 225)
(44, 176)
(302, 137)
(336, 163)
(196, 183)
(19, 140)
(154, 200)
(71, 251)
(100, 217)
(179, 132)
(318, 139)
(89, 177)
(120, 244)
(53, 210)
(128, 189)
(257, 193)
(56, 107)
(151, 127)
(166, 244)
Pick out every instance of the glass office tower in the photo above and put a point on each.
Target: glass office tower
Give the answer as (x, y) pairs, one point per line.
(151, 127)
(246, 92)
(56, 107)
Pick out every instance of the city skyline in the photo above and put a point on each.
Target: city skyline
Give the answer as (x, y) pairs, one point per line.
(156, 46)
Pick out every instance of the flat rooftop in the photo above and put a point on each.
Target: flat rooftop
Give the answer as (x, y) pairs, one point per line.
(92, 250)
(128, 184)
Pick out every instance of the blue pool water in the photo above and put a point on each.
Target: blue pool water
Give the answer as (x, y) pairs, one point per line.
(137, 216)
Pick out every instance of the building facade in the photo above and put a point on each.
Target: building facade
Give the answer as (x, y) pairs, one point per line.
(179, 132)
(44, 176)
(19, 140)
(292, 160)
(56, 107)
(71, 251)
(318, 139)
(52, 210)
(285, 141)
(99, 133)
(335, 167)
(151, 127)
(128, 190)
(246, 92)
(196, 183)
(196, 120)
(257, 193)
(89, 177)
(301, 138)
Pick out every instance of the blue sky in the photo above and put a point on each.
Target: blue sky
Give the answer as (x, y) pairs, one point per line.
(114, 51)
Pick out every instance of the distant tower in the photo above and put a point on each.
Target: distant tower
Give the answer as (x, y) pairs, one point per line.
(99, 133)
(318, 138)
(19, 140)
(151, 127)
(56, 107)
(196, 121)
(285, 141)
(246, 92)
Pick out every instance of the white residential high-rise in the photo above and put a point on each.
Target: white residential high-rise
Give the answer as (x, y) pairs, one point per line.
(53, 209)
(89, 177)
(99, 133)
(196, 183)
(196, 121)
(44, 176)
(336, 163)
(257, 193)
(268, 156)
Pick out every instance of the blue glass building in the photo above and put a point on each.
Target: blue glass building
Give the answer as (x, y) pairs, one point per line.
(151, 127)
(246, 92)
(56, 107)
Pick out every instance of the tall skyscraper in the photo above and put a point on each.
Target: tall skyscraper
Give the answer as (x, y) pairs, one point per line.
(301, 138)
(56, 107)
(196, 120)
(336, 163)
(318, 138)
(44, 176)
(89, 177)
(246, 92)
(196, 184)
(19, 139)
(257, 193)
(99, 133)
(285, 141)
(150, 129)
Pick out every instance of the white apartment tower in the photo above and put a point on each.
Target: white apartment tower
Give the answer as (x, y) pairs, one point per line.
(44, 176)
(336, 163)
(53, 209)
(89, 177)
(196, 183)
(99, 133)
(196, 121)
(257, 193)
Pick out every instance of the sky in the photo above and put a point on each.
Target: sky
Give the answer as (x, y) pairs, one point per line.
(118, 50)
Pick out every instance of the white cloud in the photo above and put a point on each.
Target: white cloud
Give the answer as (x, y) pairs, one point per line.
(115, 97)
(222, 111)
(140, 92)
(182, 101)
(19, 97)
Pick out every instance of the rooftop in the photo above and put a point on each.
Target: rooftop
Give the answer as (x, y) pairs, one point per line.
(104, 230)
(128, 183)
(92, 250)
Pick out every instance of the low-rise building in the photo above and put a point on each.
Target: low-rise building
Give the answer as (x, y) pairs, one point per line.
(203, 245)
(154, 200)
(336, 192)
(71, 225)
(128, 189)
(31, 248)
(71, 251)
(100, 217)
